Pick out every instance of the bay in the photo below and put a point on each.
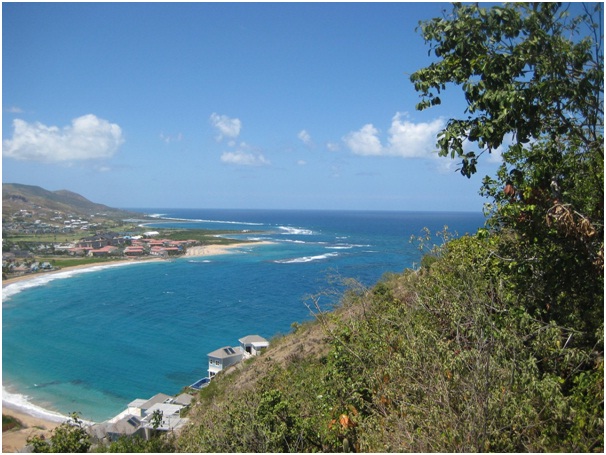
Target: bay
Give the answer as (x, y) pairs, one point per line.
(93, 341)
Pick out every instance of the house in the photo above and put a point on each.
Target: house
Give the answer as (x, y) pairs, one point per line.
(134, 251)
(135, 407)
(253, 345)
(171, 416)
(105, 251)
(222, 358)
(138, 418)
(158, 251)
(126, 425)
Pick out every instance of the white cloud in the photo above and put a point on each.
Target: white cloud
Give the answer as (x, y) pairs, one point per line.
(227, 127)
(305, 137)
(365, 141)
(170, 138)
(14, 110)
(87, 138)
(333, 147)
(413, 140)
(406, 139)
(242, 158)
(301, 162)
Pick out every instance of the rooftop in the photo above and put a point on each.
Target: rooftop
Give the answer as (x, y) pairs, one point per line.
(225, 352)
(253, 339)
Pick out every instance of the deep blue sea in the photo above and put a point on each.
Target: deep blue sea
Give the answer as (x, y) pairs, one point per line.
(92, 341)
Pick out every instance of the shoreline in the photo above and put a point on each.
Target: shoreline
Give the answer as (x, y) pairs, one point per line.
(194, 251)
(215, 250)
(15, 440)
(36, 422)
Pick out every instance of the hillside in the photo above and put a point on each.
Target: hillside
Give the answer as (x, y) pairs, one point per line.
(44, 203)
(444, 359)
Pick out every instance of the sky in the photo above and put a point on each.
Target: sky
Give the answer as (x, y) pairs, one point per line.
(228, 105)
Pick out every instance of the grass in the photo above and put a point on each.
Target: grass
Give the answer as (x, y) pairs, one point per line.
(58, 261)
(67, 238)
(202, 235)
(10, 423)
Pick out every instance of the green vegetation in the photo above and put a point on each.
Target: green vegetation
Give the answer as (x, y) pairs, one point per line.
(497, 342)
(69, 437)
(126, 444)
(446, 359)
(33, 243)
(10, 423)
(70, 237)
(204, 236)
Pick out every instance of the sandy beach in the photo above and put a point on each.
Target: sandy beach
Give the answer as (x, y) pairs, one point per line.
(205, 250)
(15, 440)
(211, 250)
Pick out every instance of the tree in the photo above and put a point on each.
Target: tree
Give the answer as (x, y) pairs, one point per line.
(157, 419)
(69, 437)
(525, 70)
(533, 80)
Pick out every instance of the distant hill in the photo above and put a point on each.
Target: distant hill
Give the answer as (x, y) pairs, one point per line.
(17, 197)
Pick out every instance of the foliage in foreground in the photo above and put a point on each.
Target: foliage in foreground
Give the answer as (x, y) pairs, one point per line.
(496, 344)
(69, 437)
(136, 444)
(446, 359)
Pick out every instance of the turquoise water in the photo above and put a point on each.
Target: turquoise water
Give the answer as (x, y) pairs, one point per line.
(93, 341)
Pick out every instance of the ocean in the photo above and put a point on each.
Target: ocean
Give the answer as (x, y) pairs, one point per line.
(92, 341)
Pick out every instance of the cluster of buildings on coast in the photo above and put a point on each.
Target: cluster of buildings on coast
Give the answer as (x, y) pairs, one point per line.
(164, 412)
(112, 244)
(109, 244)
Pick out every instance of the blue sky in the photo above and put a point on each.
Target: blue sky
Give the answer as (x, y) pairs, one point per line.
(225, 105)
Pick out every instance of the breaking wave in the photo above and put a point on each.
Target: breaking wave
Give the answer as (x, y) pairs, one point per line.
(306, 259)
(21, 403)
(295, 231)
(15, 288)
(196, 220)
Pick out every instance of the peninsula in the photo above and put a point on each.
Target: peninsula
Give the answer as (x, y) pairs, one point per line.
(44, 232)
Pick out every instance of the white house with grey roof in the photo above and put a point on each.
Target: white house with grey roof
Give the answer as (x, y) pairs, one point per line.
(253, 345)
(137, 419)
(222, 358)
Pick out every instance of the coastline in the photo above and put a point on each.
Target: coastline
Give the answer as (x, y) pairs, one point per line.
(213, 250)
(195, 251)
(19, 406)
(15, 440)
(33, 276)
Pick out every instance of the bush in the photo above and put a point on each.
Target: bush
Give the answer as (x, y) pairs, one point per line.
(10, 423)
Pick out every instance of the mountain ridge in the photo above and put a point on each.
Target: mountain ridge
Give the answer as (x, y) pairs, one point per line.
(17, 196)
